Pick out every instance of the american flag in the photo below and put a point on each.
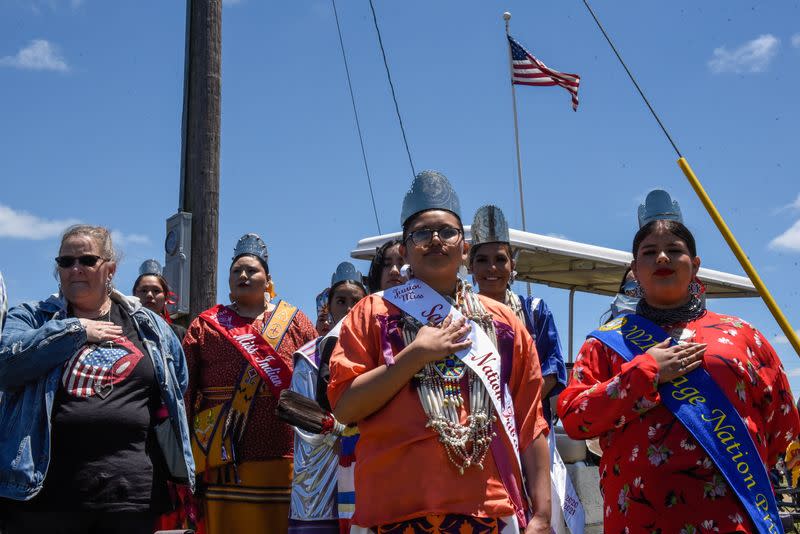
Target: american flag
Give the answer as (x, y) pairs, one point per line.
(95, 369)
(527, 70)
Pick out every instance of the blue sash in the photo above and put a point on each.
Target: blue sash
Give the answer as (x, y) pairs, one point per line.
(701, 406)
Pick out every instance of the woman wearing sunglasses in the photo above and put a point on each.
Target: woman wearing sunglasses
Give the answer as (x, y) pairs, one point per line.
(445, 388)
(82, 375)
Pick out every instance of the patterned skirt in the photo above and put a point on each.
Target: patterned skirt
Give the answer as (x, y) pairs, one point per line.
(258, 503)
(448, 524)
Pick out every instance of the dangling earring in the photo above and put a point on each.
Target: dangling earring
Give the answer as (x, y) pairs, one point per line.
(109, 287)
(270, 290)
(512, 278)
(696, 287)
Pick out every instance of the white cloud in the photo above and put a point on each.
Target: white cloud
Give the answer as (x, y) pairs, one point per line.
(788, 240)
(122, 239)
(22, 225)
(753, 56)
(796, 40)
(38, 55)
(794, 205)
(792, 373)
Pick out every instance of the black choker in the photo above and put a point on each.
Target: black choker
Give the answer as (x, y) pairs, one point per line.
(670, 316)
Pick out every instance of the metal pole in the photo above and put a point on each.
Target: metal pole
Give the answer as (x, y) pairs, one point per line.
(740, 255)
(571, 322)
(507, 17)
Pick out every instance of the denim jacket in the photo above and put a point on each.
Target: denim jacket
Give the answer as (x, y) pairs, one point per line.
(37, 339)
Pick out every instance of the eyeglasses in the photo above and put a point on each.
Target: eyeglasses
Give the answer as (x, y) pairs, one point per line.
(87, 260)
(423, 237)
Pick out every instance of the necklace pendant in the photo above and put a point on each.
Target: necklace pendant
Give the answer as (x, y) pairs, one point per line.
(450, 368)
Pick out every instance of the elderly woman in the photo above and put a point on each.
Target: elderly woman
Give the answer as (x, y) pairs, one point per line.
(442, 423)
(153, 292)
(82, 375)
(240, 359)
(686, 424)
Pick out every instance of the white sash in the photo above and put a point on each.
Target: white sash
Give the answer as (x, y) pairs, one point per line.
(563, 492)
(421, 302)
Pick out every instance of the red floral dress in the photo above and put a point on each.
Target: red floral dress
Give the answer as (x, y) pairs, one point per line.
(654, 476)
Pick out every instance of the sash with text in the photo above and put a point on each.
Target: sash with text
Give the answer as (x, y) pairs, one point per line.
(707, 413)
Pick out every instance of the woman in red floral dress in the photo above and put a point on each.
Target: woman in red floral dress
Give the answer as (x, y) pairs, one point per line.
(654, 476)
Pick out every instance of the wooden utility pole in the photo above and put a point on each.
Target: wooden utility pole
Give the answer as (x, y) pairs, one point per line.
(200, 146)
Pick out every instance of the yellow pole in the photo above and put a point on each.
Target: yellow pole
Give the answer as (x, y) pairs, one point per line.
(740, 255)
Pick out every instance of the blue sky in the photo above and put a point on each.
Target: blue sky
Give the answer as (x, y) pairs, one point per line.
(91, 114)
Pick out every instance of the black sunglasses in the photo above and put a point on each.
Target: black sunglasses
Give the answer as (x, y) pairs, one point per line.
(87, 260)
(423, 237)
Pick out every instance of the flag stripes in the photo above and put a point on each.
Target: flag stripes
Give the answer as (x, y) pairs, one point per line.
(527, 70)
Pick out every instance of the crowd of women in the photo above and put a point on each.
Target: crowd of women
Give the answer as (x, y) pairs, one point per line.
(418, 402)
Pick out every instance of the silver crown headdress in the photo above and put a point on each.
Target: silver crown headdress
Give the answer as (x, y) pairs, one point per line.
(430, 190)
(347, 272)
(150, 267)
(253, 245)
(659, 206)
(489, 226)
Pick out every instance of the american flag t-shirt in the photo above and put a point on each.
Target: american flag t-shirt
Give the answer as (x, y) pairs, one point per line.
(527, 70)
(95, 369)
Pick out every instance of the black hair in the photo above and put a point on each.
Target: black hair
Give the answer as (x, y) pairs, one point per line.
(674, 227)
(410, 220)
(376, 267)
(474, 250)
(161, 280)
(335, 286)
(263, 263)
(624, 280)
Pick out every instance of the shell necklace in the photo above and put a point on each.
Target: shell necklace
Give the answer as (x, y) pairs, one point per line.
(439, 386)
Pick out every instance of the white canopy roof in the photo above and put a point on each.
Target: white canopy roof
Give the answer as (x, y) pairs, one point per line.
(571, 265)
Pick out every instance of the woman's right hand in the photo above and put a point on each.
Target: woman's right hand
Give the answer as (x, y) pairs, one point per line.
(435, 342)
(678, 360)
(100, 331)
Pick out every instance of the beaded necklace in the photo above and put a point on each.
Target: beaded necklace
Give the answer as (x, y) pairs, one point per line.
(514, 302)
(670, 316)
(440, 392)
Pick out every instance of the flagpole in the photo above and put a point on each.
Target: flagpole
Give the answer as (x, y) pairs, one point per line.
(507, 17)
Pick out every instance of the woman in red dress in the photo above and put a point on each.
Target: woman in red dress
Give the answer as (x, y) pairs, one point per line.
(250, 495)
(654, 476)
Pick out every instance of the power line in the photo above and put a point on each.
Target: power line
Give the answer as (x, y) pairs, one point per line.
(355, 113)
(641, 93)
(391, 85)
